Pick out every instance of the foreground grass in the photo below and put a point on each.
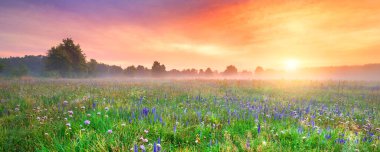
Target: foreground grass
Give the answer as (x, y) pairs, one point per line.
(188, 115)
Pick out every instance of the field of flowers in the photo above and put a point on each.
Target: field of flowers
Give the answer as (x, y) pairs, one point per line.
(188, 115)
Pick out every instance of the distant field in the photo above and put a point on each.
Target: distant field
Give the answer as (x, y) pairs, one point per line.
(188, 115)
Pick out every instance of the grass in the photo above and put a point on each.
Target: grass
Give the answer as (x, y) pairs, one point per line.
(189, 115)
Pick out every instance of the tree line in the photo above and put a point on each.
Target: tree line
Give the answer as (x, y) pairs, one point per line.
(68, 60)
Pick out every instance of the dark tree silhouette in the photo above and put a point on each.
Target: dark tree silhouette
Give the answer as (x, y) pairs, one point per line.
(259, 70)
(158, 69)
(193, 72)
(101, 69)
(189, 72)
(66, 58)
(21, 70)
(58, 60)
(230, 70)
(92, 67)
(174, 72)
(1, 67)
(201, 72)
(130, 71)
(115, 70)
(208, 72)
(34, 65)
(142, 71)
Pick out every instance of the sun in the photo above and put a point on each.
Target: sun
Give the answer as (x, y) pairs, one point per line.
(291, 65)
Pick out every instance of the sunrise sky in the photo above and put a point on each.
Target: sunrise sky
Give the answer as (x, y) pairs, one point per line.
(199, 33)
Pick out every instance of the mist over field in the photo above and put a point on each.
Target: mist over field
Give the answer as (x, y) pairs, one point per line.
(35, 66)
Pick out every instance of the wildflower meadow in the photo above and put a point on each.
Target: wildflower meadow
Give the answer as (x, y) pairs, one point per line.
(188, 115)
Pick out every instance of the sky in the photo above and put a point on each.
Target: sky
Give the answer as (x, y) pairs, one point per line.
(198, 33)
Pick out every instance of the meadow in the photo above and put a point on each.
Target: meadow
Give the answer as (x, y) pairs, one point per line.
(188, 115)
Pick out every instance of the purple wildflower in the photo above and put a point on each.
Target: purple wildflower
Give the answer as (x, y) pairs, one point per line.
(258, 128)
(154, 147)
(145, 111)
(158, 147)
(93, 105)
(136, 149)
(300, 130)
(142, 147)
(341, 141)
(328, 136)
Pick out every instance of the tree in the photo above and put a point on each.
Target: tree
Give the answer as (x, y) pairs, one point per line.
(259, 70)
(92, 67)
(115, 70)
(66, 58)
(21, 70)
(193, 72)
(1, 67)
(58, 60)
(174, 72)
(230, 70)
(34, 65)
(201, 72)
(158, 69)
(142, 71)
(131, 71)
(208, 72)
(186, 72)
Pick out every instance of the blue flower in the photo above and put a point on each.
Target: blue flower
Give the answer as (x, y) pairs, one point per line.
(258, 128)
(93, 105)
(154, 147)
(136, 149)
(328, 136)
(145, 111)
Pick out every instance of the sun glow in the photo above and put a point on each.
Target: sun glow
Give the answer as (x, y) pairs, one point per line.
(291, 65)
